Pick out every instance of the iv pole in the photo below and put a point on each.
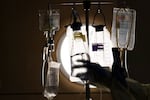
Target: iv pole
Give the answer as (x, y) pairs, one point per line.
(86, 4)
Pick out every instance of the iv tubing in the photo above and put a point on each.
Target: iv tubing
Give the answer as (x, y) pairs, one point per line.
(43, 67)
(123, 58)
(126, 62)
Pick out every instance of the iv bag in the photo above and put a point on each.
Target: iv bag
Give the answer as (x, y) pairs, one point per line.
(78, 48)
(55, 19)
(100, 47)
(52, 80)
(44, 20)
(49, 20)
(123, 28)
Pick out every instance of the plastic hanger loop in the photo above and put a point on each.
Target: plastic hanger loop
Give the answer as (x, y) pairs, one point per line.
(99, 12)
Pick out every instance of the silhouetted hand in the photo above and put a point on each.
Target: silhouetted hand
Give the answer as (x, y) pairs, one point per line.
(93, 72)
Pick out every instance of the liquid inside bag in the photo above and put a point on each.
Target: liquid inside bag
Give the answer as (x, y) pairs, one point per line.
(52, 81)
(123, 28)
(55, 19)
(49, 20)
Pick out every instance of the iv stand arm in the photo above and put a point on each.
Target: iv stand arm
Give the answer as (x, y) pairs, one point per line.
(81, 3)
(87, 8)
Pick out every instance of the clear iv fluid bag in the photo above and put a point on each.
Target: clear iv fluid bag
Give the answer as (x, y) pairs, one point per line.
(44, 20)
(78, 49)
(49, 20)
(79, 52)
(55, 19)
(123, 28)
(100, 47)
(52, 80)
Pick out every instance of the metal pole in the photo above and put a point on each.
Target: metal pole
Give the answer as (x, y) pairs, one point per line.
(86, 4)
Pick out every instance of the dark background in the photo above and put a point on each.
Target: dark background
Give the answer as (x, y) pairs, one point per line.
(21, 45)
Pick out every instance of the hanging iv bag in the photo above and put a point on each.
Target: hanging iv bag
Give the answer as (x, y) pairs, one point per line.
(123, 28)
(44, 20)
(54, 19)
(100, 47)
(78, 48)
(49, 20)
(52, 80)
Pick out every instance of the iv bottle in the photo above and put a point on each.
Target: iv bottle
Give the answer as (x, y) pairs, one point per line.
(100, 49)
(79, 51)
(52, 81)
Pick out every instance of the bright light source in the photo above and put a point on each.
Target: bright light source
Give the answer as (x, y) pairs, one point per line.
(63, 55)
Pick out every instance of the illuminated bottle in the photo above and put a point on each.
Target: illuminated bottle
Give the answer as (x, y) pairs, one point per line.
(100, 48)
(79, 51)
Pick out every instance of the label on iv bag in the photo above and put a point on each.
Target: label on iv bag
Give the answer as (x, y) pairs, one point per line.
(79, 35)
(97, 46)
